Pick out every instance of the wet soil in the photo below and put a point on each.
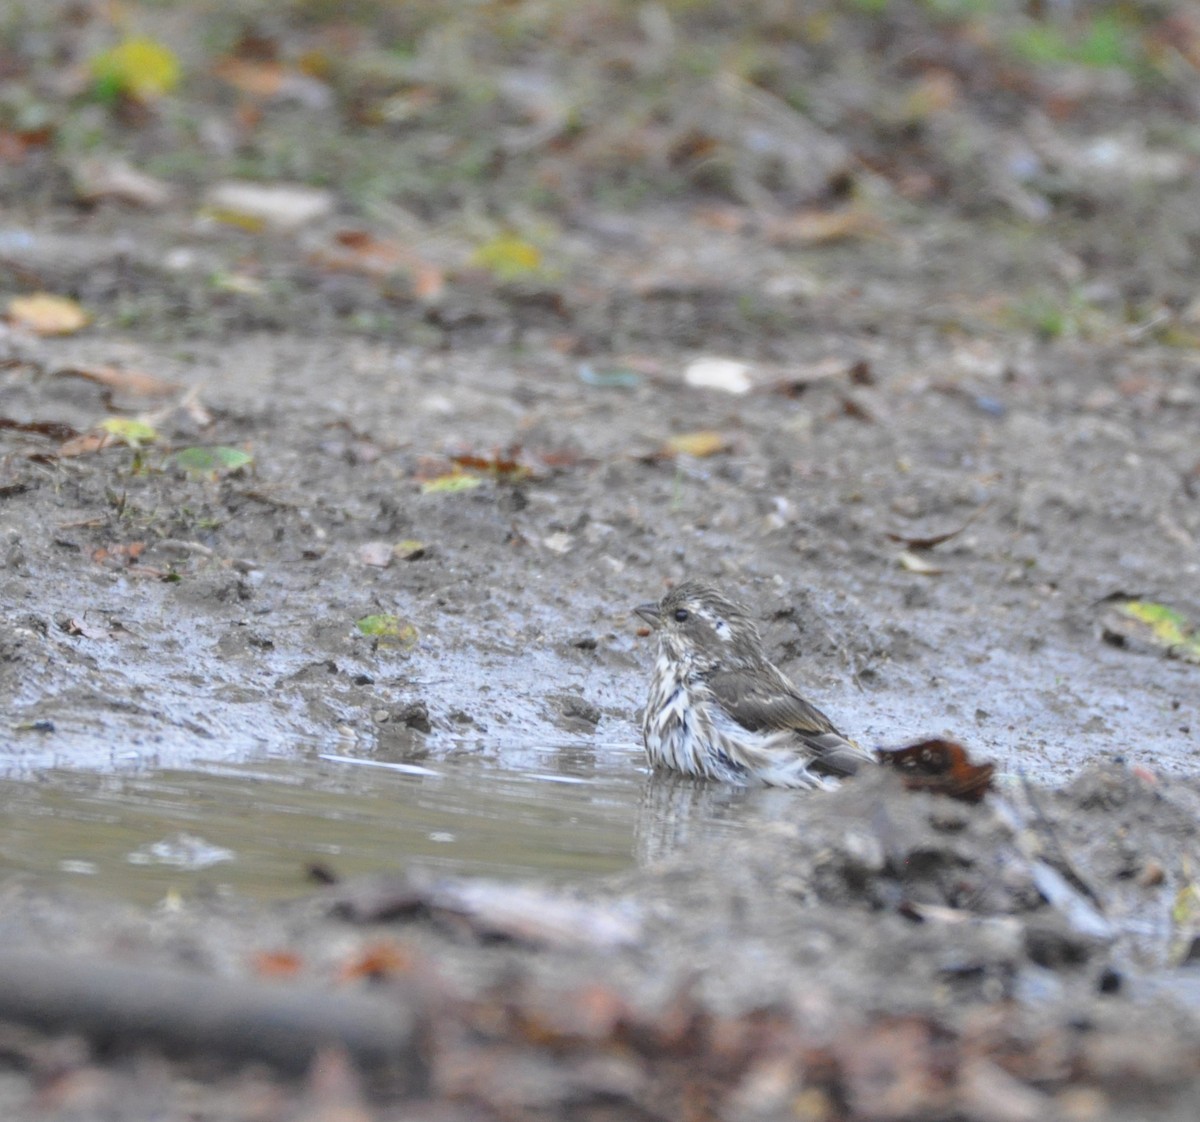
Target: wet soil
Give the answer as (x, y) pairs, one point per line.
(878, 912)
(189, 646)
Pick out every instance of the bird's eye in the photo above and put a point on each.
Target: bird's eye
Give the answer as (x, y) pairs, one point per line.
(681, 614)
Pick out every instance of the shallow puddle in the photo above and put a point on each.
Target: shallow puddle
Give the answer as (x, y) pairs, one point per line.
(257, 827)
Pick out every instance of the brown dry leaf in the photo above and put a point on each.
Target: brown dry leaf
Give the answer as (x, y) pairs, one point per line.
(276, 964)
(428, 283)
(359, 251)
(824, 227)
(502, 467)
(592, 1014)
(43, 313)
(55, 430)
(706, 442)
(856, 409)
(258, 78)
(929, 541)
(120, 554)
(377, 960)
(133, 381)
(16, 144)
(797, 379)
(85, 444)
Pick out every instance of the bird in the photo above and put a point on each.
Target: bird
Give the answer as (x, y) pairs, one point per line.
(720, 709)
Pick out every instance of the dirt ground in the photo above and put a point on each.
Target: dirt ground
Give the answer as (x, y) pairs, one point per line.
(494, 463)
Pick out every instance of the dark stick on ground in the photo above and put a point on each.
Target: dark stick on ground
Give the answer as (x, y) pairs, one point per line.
(237, 1019)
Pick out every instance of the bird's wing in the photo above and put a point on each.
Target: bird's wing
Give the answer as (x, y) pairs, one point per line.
(765, 701)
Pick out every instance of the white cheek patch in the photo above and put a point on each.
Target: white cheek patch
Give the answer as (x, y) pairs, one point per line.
(723, 631)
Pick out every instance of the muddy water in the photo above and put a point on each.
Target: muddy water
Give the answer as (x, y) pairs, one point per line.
(256, 827)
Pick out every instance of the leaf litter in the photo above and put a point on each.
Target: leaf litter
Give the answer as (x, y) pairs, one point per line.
(46, 314)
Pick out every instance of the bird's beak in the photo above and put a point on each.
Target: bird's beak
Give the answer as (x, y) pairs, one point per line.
(648, 612)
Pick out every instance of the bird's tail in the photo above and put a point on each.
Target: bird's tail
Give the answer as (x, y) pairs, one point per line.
(834, 754)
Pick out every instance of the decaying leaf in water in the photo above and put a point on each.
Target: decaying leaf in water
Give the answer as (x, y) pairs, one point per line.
(941, 767)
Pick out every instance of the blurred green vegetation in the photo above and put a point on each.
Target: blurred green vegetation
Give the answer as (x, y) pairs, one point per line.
(544, 103)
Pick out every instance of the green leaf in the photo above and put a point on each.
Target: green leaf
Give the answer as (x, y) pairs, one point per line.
(389, 630)
(212, 462)
(128, 431)
(409, 549)
(453, 481)
(1166, 628)
(140, 68)
(1106, 41)
(508, 257)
